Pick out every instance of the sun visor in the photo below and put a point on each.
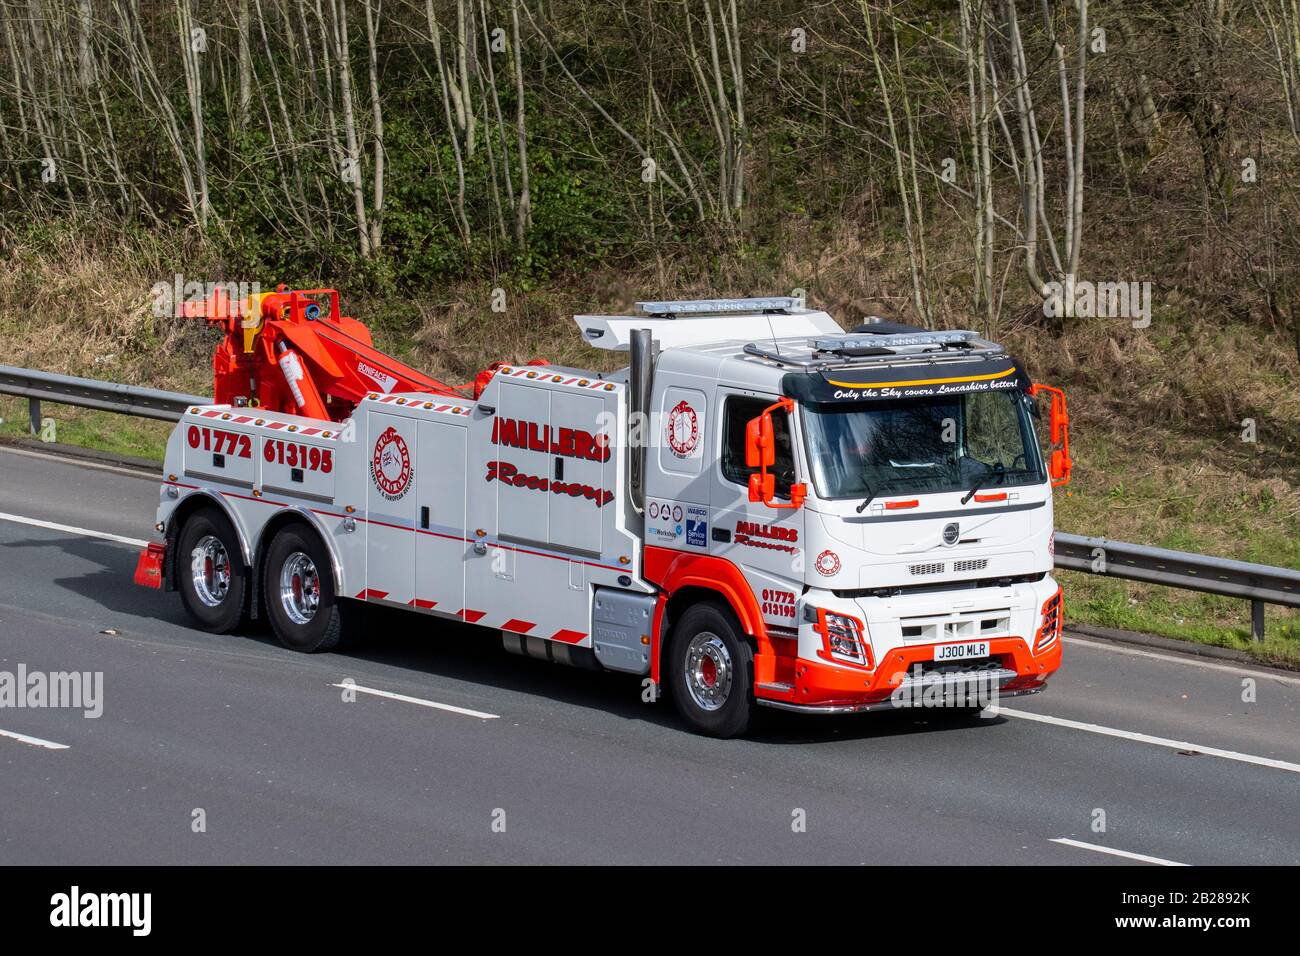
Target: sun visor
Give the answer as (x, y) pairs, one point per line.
(910, 380)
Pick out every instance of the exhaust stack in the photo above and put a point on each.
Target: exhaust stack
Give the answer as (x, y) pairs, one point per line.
(641, 345)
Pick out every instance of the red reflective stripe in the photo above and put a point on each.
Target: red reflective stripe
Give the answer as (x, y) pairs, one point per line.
(568, 637)
(469, 615)
(895, 505)
(518, 626)
(367, 593)
(421, 603)
(1000, 496)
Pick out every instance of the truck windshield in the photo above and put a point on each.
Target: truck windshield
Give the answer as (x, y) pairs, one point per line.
(922, 445)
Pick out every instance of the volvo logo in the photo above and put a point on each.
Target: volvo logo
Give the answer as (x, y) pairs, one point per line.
(951, 532)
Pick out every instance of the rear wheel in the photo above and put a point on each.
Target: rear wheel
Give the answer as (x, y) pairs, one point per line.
(298, 587)
(210, 571)
(711, 671)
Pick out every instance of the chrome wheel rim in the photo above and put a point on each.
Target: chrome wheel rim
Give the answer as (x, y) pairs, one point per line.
(210, 570)
(299, 588)
(708, 671)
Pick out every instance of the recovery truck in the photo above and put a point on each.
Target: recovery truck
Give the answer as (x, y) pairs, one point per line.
(760, 509)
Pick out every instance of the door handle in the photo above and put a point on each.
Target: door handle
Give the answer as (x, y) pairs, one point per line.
(424, 517)
(721, 534)
(559, 469)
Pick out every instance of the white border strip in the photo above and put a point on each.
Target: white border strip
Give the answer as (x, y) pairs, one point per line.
(70, 529)
(79, 462)
(417, 700)
(1191, 660)
(1148, 739)
(34, 741)
(1140, 857)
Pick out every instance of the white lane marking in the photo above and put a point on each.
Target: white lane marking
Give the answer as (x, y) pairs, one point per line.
(70, 529)
(34, 741)
(1189, 660)
(417, 700)
(1141, 857)
(84, 463)
(1148, 739)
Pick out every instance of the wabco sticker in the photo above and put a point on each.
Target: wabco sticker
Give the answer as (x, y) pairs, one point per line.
(683, 429)
(697, 527)
(828, 563)
(390, 468)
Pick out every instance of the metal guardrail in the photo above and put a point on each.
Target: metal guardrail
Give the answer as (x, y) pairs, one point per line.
(1260, 584)
(37, 386)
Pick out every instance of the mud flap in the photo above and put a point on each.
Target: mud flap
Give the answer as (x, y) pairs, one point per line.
(148, 569)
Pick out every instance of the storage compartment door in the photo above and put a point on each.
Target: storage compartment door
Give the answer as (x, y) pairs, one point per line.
(390, 508)
(519, 465)
(581, 483)
(440, 520)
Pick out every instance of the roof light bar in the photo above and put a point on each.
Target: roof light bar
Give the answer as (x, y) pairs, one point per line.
(719, 306)
(892, 341)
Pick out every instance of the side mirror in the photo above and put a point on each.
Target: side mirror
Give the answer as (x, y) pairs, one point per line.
(1058, 467)
(760, 442)
(1059, 463)
(760, 453)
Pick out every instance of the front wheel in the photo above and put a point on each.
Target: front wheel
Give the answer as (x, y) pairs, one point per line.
(711, 671)
(298, 586)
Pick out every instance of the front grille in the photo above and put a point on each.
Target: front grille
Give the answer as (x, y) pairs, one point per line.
(975, 564)
(919, 569)
(976, 666)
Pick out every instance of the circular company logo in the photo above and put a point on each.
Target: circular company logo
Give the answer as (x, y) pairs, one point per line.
(827, 563)
(951, 532)
(677, 512)
(391, 465)
(683, 429)
(654, 509)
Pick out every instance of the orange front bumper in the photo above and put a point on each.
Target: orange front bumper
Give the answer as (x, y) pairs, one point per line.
(818, 686)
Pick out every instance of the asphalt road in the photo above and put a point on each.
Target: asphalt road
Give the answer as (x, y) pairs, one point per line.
(257, 743)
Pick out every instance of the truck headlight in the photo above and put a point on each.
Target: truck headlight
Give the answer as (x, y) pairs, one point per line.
(1050, 631)
(842, 639)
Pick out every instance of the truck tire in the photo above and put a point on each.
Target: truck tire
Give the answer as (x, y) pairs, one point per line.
(711, 671)
(210, 571)
(298, 588)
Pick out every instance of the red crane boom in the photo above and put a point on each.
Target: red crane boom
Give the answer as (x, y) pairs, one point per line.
(295, 351)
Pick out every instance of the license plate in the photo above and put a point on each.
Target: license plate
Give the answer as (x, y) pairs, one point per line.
(961, 652)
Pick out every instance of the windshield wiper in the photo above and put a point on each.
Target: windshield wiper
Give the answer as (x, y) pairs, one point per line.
(872, 492)
(1000, 472)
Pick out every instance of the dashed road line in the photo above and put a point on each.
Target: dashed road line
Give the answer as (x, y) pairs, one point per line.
(1111, 851)
(1148, 739)
(72, 529)
(34, 741)
(389, 695)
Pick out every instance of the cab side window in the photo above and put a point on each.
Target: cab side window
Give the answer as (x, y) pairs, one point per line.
(737, 413)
